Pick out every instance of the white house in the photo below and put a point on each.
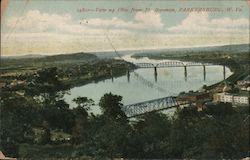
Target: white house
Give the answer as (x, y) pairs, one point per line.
(231, 98)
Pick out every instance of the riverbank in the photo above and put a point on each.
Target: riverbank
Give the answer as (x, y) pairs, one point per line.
(71, 73)
(104, 69)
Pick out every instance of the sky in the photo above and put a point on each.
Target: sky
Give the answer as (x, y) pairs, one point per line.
(60, 26)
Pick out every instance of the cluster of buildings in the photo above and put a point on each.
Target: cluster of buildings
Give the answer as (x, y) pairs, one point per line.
(39, 135)
(197, 99)
(237, 95)
(244, 84)
(239, 98)
(12, 84)
(235, 99)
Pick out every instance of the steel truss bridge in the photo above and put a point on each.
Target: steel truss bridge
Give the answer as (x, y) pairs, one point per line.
(170, 64)
(137, 109)
(166, 64)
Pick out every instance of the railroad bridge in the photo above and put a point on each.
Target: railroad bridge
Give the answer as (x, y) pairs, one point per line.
(137, 109)
(166, 64)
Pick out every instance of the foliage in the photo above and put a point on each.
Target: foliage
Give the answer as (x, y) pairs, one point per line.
(111, 107)
(81, 122)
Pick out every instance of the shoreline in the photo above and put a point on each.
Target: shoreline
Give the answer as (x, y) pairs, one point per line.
(77, 82)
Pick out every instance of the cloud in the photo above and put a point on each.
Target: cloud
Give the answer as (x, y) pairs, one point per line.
(150, 18)
(142, 21)
(51, 43)
(39, 32)
(36, 21)
(199, 23)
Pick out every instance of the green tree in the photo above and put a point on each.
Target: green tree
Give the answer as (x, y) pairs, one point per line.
(83, 103)
(110, 130)
(48, 91)
(58, 115)
(18, 115)
(80, 131)
(110, 138)
(150, 137)
(111, 107)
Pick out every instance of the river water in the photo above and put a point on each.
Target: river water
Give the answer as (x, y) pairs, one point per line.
(142, 84)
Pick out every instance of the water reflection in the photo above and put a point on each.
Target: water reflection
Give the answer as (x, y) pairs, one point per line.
(186, 72)
(155, 73)
(128, 76)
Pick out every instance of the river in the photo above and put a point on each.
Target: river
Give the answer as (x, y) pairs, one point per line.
(142, 84)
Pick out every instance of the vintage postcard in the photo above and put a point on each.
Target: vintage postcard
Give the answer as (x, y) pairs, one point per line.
(125, 79)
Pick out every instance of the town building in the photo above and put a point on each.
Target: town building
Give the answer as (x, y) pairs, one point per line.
(244, 84)
(58, 136)
(193, 96)
(2, 84)
(245, 81)
(231, 98)
(197, 99)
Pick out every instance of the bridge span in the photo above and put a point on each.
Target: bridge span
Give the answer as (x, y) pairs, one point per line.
(166, 64)
(137, 109)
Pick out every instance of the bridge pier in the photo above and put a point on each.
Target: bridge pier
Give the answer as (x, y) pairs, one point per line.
(224, 72)
(185, 72)
(156, 77)
(155, 73)
(204, 72)
(155, 69)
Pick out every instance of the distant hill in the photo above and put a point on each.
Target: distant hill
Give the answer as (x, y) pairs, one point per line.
(23, 56)
(81, 56)
(225, 48)
(31, 60)
(69, 57)
(237, 48)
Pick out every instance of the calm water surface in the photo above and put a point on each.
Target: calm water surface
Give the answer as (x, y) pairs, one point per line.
(142, 84)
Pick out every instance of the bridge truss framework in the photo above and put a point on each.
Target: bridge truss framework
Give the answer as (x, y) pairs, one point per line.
(136, 109)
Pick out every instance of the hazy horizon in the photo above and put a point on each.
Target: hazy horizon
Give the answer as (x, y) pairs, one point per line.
(109, 51)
